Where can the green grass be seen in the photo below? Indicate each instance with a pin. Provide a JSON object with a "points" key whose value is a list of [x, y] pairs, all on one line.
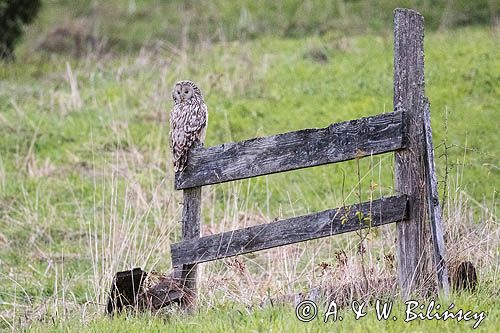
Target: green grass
{"points": [[129, 24], [86, 179], [281, 318], [259, 88]]}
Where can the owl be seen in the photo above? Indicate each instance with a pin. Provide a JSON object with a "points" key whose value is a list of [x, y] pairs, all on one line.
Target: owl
{"points": [[188, 121]]}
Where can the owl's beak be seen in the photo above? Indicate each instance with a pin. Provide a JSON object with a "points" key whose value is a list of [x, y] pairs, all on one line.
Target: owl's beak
{"points": [[182, 98]]}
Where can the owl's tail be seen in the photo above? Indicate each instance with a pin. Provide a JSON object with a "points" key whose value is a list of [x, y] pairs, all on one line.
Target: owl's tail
{"points": [[181, 156], [180, 162]]}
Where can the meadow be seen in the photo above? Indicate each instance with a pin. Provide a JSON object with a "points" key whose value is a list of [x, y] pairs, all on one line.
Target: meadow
{"points": [[86, 181]]}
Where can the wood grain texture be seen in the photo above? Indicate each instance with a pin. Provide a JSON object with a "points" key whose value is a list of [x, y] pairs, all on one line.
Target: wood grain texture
{"points": [[434, 207], [292, 230], [294, 150], [413, 235], [191, 215]]}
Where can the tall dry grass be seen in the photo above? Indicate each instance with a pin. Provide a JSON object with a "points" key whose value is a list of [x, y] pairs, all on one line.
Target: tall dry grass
{"points": [[133, 221]]}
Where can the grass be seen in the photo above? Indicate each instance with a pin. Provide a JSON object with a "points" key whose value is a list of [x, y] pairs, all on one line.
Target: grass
{"points": [[282, 318], [129, 24], [86, 180]]}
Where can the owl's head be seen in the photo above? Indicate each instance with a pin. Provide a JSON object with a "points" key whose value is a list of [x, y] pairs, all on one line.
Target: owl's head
{"points": [[186, 91]]}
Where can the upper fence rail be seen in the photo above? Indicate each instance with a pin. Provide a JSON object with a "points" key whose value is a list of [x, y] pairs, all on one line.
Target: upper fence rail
{"points": [[293, 150]]}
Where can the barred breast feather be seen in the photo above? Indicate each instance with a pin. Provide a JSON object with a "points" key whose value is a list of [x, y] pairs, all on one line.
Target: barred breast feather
{"points": [[188, 122]]}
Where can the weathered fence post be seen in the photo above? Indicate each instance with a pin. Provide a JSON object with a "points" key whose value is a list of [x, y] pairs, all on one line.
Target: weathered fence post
{"points": [[191, 215], [411, 164], [412, 235]]}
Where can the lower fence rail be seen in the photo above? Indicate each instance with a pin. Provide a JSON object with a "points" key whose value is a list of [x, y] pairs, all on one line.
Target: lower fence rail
{"points": [[292, 230]]}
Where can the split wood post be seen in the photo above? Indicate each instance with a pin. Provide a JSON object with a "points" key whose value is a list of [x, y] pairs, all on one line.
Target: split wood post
{"points": [[413, 235], [434, 207]]}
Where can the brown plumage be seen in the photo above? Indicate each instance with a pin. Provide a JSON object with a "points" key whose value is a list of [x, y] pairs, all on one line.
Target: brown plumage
{"points": [[188, 121]]}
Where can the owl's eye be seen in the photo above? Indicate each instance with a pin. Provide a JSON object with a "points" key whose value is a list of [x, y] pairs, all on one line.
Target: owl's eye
{"points": [[178, 92], [185, 91]]}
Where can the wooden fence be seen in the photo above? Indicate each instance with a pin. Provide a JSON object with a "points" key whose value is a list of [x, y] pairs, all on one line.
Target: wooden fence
{"points": [[406, 132]]}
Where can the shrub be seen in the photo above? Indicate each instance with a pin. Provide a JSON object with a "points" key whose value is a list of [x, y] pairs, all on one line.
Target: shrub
{"points": [[13, 15]]}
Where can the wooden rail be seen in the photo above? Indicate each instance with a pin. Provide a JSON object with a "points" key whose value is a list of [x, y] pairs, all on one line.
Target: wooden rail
{"points": [[293, 230], [293, 150]]}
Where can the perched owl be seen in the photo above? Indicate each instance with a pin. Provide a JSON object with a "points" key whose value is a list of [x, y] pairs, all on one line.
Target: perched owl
{"points": [[188, 121]]}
